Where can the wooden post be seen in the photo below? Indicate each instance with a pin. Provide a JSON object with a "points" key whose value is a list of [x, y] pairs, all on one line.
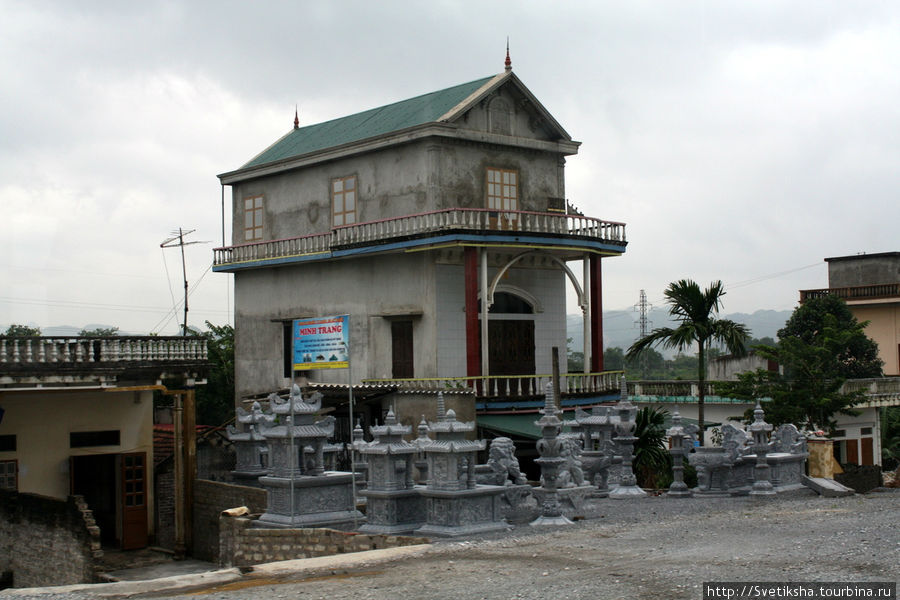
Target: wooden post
{"points": [[179, 478], [190, 465]]}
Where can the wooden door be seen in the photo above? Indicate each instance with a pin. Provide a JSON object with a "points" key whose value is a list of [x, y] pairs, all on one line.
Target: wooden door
{"points": [[402, 349], [867, 451], [511, 347], [134, 500], [852, 452]]}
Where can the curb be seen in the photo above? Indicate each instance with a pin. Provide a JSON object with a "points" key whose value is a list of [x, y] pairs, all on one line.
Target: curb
{"points": [[178, 583]]}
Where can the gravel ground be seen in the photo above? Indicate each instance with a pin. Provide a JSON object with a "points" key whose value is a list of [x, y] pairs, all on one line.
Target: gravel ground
{"points": [[646, 548]]}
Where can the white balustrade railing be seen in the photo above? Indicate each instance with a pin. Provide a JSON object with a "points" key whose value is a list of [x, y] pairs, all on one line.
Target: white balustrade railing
{"points": [[510, 386], [97, 351], [474, 219]]}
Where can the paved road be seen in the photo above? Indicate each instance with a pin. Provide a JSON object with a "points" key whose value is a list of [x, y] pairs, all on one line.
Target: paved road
{"points": [[648, 548]]}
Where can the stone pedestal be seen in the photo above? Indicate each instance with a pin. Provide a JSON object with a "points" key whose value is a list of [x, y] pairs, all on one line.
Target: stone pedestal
{"points": [[713, 470], [393, 505], [393, 512], [319, 501], [453, 513], [571, 500]]}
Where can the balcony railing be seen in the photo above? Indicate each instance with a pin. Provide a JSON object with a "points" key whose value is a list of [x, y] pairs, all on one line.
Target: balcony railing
{"points": [[510, 387], [90, 352], [475, 220], [857, 292]]}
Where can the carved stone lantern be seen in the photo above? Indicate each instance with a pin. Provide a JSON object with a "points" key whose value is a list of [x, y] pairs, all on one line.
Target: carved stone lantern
{"points": [[625, 440], [678, 447], [759, 429], [393, 505]]}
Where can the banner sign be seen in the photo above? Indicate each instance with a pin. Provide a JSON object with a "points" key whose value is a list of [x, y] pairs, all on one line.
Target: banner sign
{"points": [[321, 343]]}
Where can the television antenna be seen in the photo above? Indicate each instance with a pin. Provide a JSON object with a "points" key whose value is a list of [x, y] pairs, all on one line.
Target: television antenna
{"points": [[177, 239]]}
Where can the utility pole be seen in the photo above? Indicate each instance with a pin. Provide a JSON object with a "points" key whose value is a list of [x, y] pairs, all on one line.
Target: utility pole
{"points": [[178, 240], [644, 324]]}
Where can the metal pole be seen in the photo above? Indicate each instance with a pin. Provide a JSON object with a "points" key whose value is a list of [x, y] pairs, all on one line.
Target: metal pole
{"points": [[352, 449], [485, 358], [293, 454]]}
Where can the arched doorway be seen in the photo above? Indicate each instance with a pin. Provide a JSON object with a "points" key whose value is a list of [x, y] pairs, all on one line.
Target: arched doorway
{"points": [[511, 345]]}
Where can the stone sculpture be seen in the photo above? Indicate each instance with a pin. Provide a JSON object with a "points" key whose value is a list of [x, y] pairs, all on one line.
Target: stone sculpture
{"points": [[759, 429], [627, 413], [393, 504], [456, 505], [680, 443], [250, 449], [550, 461], [300, 492]]}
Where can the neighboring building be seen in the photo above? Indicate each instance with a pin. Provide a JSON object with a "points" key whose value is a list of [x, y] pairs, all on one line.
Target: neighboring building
{"points": [[870, 284], [76, 417], [438, 224]]}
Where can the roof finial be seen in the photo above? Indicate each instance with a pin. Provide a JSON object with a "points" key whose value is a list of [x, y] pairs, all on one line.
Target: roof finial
{"points": [[296, 118], [508, 63]]}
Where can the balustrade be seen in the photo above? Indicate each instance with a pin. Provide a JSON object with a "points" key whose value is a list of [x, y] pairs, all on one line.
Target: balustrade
{"points": [[479, 220], [82, 350]]}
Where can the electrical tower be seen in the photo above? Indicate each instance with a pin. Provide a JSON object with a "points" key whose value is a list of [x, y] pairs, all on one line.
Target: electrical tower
{"points": [[643, 307]]}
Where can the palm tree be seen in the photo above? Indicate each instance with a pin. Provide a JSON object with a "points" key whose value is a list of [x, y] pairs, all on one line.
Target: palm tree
{"points": [[695, 310]]}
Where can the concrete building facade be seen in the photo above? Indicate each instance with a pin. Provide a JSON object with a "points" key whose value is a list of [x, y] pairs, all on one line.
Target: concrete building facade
{"points": [[438, 224], [870, 284]]}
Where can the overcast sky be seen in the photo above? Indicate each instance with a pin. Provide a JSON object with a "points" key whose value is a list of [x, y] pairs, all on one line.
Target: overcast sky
{"points": [[742, 141]]}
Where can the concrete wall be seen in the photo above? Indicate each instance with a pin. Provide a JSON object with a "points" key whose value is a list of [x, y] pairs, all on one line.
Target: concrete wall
{"points": [[865, 269], [243, 545], [884, 329], [44, 541], [43, 420], [545, 285], [728, 368], [369, 289], [210, 499], [418, 177]]}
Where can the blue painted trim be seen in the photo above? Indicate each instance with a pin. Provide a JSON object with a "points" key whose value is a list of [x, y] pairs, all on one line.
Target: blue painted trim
{"points": [[423, 242]]}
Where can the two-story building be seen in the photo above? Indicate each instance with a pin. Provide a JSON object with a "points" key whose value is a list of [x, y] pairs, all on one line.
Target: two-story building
{"points": [[76, 417], [870, 285], [438, 224]]}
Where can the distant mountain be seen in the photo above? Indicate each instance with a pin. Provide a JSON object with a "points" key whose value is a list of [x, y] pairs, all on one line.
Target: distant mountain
{"points": [[621, 329]]}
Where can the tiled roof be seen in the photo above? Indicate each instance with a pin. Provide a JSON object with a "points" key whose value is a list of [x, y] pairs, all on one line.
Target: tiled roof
{"points": [[368, 124]]}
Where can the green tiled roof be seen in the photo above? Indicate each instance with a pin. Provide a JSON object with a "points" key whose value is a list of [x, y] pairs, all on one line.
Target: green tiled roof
{"points": [[371, 123]]}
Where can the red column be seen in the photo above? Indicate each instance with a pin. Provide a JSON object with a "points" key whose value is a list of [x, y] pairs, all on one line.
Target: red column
{"points": [[473, 343], [596, 315]]}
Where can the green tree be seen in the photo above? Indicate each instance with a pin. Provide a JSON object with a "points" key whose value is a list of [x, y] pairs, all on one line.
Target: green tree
{"points": [[99, 332], [890, 437], [613, 359], [649, 365], [215, 400], [819, 348], [828, 322], [574, 359], [16, 330], [695, 310], [652, 462]]}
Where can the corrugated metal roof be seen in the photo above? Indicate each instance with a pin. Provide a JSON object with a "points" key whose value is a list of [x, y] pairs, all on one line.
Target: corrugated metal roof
{"points": [[371, 123]]}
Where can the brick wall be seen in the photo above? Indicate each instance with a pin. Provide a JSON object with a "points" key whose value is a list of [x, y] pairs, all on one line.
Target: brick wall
{"points": [[165, 508], [210, 499], [242, 545], [44, 541]]}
